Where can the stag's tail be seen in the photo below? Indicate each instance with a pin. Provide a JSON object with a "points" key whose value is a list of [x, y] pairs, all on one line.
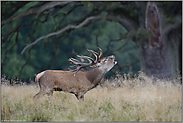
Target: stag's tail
{"points": [[38, 76]]}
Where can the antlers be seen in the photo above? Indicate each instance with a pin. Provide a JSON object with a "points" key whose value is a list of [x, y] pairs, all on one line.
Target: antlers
{"points": [[80, 65]]}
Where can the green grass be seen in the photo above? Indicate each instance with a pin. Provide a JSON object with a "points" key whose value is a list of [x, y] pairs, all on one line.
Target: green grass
{"points": [[135, 100]]}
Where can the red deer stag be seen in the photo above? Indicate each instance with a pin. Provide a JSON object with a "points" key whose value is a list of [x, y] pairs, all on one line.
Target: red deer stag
{"points": [[78, 82]]}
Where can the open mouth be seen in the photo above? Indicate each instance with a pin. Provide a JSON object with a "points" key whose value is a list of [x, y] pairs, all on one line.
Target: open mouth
{"points": [[115, 62], [113, 58]]}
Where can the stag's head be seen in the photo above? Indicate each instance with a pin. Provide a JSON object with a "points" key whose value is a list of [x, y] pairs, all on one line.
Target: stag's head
{"points": [[104, 64], [107, 63]]}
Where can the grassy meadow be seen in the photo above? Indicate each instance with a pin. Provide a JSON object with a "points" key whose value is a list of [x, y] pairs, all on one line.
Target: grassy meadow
{"points": [[120, 99]]}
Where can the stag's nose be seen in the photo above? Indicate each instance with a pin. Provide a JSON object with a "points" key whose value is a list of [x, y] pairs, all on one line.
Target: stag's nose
{"points": [[113, 56]]}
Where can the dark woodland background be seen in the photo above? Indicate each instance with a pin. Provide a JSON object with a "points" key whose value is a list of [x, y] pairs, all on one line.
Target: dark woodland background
{"points": [[143, 36]]}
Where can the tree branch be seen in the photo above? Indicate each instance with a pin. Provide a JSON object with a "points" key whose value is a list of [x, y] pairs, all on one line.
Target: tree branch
{"points": [[128, 24], [174, 26], [140, 8], [5, 55], [63, 30], [34, 11]]}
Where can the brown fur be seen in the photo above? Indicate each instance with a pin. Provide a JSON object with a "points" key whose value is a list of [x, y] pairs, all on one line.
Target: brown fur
{"points": [[83, 81]]}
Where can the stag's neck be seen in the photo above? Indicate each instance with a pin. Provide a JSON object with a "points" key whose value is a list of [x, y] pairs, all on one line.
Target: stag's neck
{"points": [[95, 75]]}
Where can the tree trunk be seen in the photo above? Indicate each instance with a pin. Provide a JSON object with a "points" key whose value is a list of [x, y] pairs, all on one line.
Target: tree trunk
{"points": [[157, 62]]}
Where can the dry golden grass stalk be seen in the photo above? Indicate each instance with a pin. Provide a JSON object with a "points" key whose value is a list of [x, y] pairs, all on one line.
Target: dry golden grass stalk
{"points": [[136, 99]]}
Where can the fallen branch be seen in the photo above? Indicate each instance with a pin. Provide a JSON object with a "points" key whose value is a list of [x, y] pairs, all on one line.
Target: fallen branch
{"points": [[63, 30]]}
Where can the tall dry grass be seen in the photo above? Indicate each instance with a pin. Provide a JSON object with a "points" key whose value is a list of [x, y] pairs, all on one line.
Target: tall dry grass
{"points": [[118, 99]]}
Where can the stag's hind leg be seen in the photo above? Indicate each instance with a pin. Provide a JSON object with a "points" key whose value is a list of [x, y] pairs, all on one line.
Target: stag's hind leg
{"points": [[40, 93]]}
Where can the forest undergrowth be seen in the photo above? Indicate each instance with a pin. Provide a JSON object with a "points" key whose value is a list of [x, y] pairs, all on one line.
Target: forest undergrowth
{"points": [[121, 99]]}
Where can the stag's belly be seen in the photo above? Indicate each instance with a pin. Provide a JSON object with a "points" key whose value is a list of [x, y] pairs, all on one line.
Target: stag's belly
{"points": [[57, 89]]}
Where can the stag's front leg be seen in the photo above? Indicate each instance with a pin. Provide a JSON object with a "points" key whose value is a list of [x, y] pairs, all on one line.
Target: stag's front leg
{"points": [[40, 93], [50, 94]]}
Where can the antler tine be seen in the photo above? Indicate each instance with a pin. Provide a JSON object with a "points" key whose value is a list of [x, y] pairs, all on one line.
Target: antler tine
{"points": [[87, 58], [76, 69], [101, 53], [95, 54], [91, 51], [74, 61], [73, 66], [80, 65]]}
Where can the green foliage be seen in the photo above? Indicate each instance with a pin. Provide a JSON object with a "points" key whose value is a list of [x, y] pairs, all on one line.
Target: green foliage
{"points": [[8, 8], [53, 52]]}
